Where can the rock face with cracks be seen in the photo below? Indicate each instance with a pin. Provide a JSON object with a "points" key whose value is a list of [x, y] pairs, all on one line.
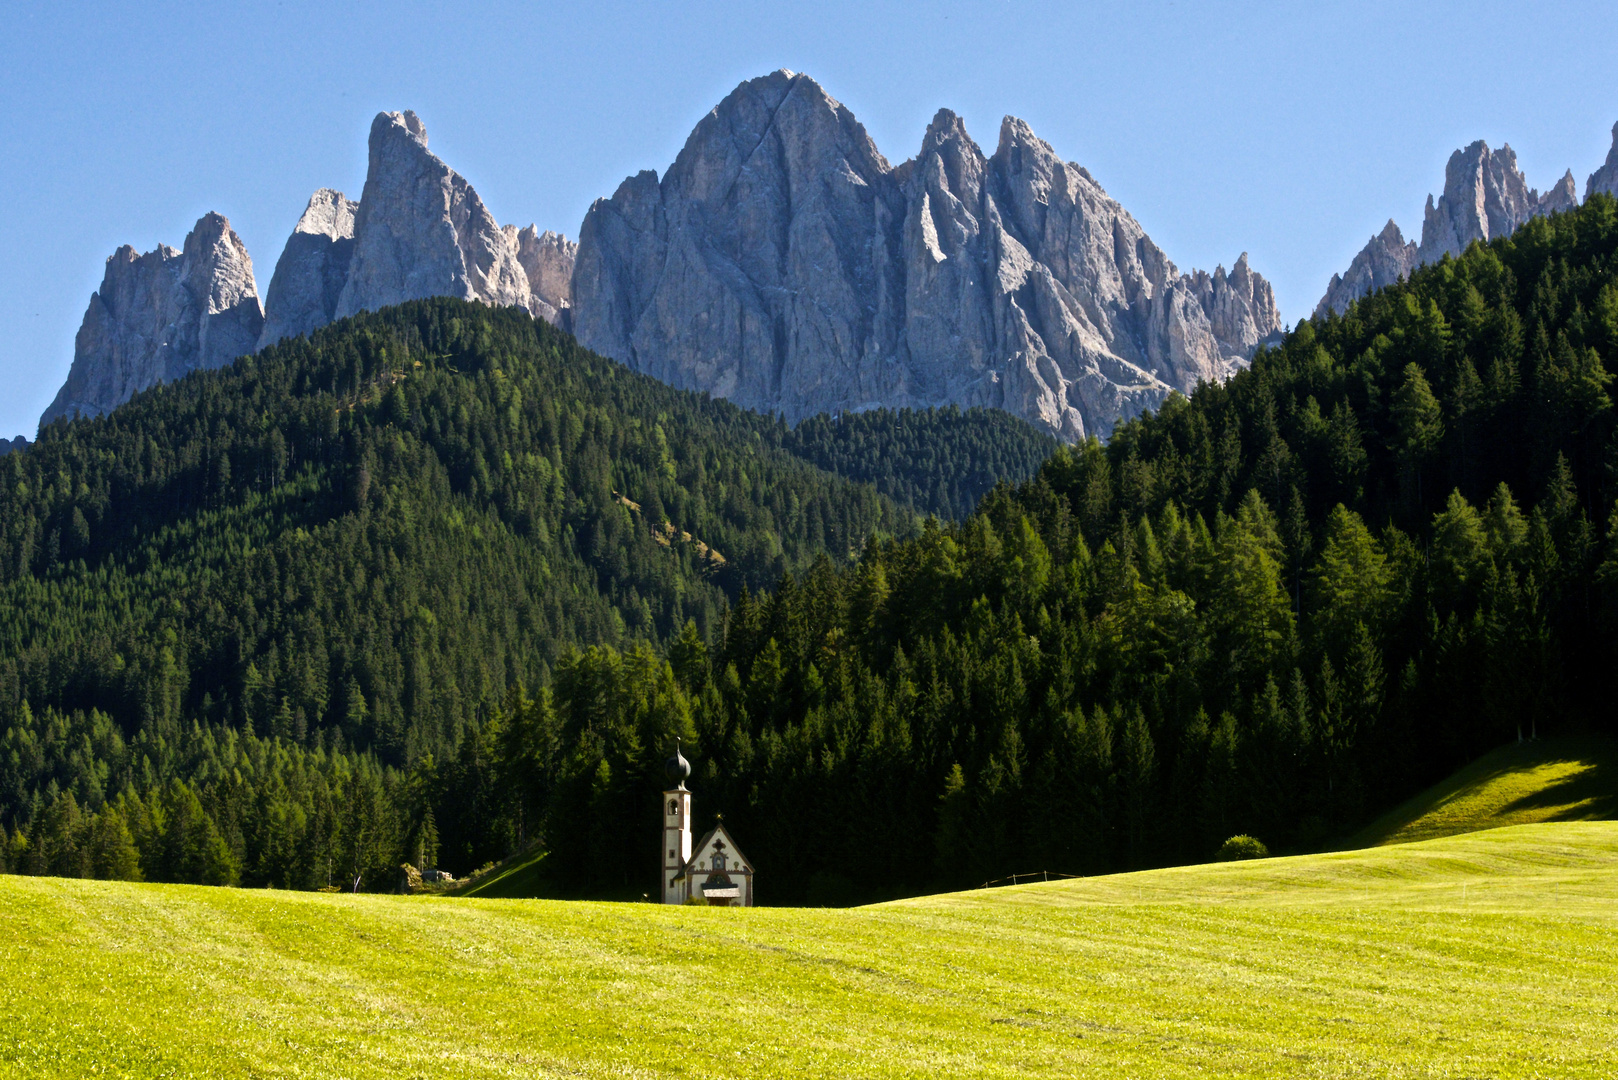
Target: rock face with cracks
{"points": [[161, 315], [784, 264], [419, 230], [547, 258], [1384, 260], [1605, 179], [1485, 196], [312, 270], [422, 231]]}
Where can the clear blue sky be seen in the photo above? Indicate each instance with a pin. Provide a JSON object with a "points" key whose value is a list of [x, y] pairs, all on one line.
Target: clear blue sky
{"points": [[1291, 131]]}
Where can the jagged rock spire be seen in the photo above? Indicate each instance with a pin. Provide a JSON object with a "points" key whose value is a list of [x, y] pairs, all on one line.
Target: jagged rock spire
{"points": [[1485, 196], [784, 264], [1605, 179], [161, 315]]}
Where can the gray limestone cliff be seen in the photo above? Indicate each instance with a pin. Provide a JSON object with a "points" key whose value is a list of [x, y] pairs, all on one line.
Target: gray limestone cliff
{"points": [[419, 230], [784, 264], [1384, 260], [313, 268], [1605, 179], [422, 231], [547, 260], [161, 315], [1485, 196]]}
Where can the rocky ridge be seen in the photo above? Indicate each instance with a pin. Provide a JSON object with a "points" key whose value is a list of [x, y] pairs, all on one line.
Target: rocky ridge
{"points": [[419, 230], [1485, 195], [784, 264], [19, 443], [422, 231], [313, 268], [1605, 179], [1384, 260], [161, 315]]}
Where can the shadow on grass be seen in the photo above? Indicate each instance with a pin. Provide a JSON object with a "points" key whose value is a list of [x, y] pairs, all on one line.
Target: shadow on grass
{"points": [[1589, 793]]}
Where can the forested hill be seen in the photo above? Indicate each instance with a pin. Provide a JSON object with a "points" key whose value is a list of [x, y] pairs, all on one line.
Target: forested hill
{"points": [[360, 540], [1272, 608], [940, 461]]}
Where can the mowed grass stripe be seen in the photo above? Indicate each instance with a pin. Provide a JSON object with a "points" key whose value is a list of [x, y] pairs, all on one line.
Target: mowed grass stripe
{"points": [[1492, 954]]}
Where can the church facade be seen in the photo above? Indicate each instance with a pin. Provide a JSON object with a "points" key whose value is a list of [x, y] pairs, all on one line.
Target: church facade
{"points": [[713, 869]]}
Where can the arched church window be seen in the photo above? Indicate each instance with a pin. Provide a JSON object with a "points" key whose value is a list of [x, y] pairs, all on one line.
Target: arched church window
{"points": [[674, 807]]}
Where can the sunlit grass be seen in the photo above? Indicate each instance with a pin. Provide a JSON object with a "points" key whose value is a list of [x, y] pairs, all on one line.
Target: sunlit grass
{"points": [[1492, 954], [1569, 779]]}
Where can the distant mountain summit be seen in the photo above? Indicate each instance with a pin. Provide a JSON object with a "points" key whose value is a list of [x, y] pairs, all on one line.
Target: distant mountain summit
{"points": [[419, 230], [1485, 196], [313, 268], [161, 315], [1604, 180], [784, 264]]}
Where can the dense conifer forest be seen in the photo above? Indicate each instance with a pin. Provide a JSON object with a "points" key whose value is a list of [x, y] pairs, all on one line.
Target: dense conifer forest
{"points": [[437, 584], [940, 461], [324, 566]]}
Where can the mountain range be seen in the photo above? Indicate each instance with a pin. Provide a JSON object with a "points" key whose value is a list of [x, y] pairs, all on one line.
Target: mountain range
{"points": [[782, 263], [1485, 196]]}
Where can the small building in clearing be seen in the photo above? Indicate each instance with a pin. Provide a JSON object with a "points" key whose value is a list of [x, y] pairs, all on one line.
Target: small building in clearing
{"points": [[714, 870]]}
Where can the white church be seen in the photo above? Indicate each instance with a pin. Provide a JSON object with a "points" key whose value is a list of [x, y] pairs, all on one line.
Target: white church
{"points": [[715, 870]]}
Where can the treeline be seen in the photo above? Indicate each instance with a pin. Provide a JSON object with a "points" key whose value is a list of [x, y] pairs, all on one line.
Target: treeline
{"points": [[352, 545], [940, 461], [214, 807], [1273, 609]]}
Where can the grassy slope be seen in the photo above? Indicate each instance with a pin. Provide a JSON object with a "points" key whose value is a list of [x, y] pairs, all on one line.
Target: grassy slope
{"points": [[1491, 954], [1571, 779], [513, 879]]}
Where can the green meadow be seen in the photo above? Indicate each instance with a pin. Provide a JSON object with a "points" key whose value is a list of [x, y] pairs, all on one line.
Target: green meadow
{"points": [[1492, 954]]}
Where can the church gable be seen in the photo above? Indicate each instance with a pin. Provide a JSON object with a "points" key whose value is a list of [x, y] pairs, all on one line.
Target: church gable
{"points": [[719, 872]]}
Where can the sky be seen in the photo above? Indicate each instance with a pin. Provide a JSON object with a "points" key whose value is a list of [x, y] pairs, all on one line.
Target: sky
{"points": [[1289, 131]]}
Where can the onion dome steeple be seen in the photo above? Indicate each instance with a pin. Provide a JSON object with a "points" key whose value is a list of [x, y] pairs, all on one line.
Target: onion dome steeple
{"points": [[677, 769]]}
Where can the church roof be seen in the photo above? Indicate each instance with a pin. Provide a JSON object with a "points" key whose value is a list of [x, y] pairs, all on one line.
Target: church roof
{"points": [[730, 846]]}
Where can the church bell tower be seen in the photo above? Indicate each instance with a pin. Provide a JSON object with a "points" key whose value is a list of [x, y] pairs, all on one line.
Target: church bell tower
{"points": [[676, 829]]}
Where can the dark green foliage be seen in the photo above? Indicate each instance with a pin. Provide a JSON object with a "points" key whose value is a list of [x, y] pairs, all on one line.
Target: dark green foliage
{"points": [[353, 545], [940, 461], [1269, 609], [1242, 847]]}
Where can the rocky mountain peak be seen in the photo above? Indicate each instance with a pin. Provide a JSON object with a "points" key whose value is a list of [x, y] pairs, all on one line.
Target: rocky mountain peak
{"points": [[161, 315], [404, 125], [1384, 260], [1562, 197], [1485, 196], [421, 230], [329, 214], [1605, 179], [784, 264], [547, 260], [313, 268], [960, 159]]}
